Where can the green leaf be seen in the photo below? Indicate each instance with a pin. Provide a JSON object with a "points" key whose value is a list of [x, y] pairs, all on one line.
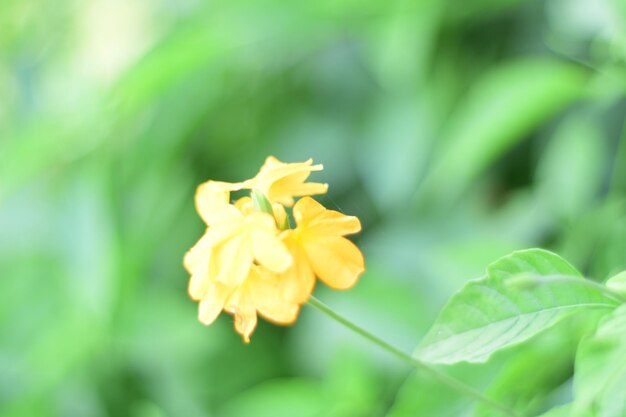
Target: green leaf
{"points": [[580, 141], [617, 283], [278, 398], [601, 370], [420, 395], [530, 389], [502, 107], [523, 294], [563, 411]]}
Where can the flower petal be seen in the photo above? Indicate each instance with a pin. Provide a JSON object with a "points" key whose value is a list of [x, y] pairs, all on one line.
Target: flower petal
{"points": [[305, 210], [196, 262], [200, 252], [221, 232], [294, 185], [233, 259], [244, 205], [212, 303], [241, 305], [298, 281], [212, 202], [270, 251], [199, 283], [267, 298], [335, 223], [280, 181], [267, 248], [335, 260], [316, 219]]}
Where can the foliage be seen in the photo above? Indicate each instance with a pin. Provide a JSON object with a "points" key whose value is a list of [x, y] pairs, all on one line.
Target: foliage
{"points": [[524, 294], [458, 132]]}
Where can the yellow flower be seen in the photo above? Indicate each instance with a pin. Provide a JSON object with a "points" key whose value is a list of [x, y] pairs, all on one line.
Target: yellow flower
{"points": [[223, 264], [249, 261], [319, 249], [239, 240], [280, 182], [259, 292]]}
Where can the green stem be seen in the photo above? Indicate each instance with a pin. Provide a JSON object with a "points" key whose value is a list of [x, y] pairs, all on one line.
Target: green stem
{"points": [[440, 376]]}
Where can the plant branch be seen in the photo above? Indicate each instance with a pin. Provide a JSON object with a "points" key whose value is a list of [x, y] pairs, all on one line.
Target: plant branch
{"points": [[440, 376]]}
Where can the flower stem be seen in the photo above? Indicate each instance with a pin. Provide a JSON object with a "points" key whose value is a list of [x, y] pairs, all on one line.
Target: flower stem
{"points": [[440, 376]]}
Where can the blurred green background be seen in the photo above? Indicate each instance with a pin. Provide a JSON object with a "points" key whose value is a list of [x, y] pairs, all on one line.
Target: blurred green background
{"points": [[456, 131]]}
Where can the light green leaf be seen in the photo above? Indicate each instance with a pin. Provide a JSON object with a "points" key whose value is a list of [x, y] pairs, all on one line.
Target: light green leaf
{"points": [[500, 110], [600, 375], [523, 294], [421, 395], [278, 398], [530, 389], [563, 411], [579, 140], [617, 283]]}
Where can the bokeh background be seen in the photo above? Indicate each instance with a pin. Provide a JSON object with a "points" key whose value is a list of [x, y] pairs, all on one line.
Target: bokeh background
{"points": [[456, 131]]}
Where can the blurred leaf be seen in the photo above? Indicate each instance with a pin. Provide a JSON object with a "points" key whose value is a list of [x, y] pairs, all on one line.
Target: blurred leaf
{"points": [[525, 387], [175, 58], [352, 386], [601, 370], [45, 147], [278, 398], [577, 142], [479, 9], [617, 283], [404, 49], [108, 131], [596, 240], [618, 180], [420, 395], [563, 411], [395, 153], [502, 107], [502, 310]]}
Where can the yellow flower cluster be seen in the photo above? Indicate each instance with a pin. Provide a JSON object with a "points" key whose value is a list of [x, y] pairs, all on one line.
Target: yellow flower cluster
{"points": [[250, 260]]}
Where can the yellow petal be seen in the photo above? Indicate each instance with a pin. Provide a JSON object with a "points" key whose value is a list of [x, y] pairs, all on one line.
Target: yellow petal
{"points": [[270, 251], [315, 218], [307, 209], [267, 248], [212, 303], [199, 281], [241, 305], [280, 181], [200, 252], [271, 162], [196, 262], [261, 221], [294, 185], [233, 259], [334, 223], [335, 260], [298, 281], [212, 202], [244, 205], [265, 290], [221, 232], [199, 284], [274, 169]]}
